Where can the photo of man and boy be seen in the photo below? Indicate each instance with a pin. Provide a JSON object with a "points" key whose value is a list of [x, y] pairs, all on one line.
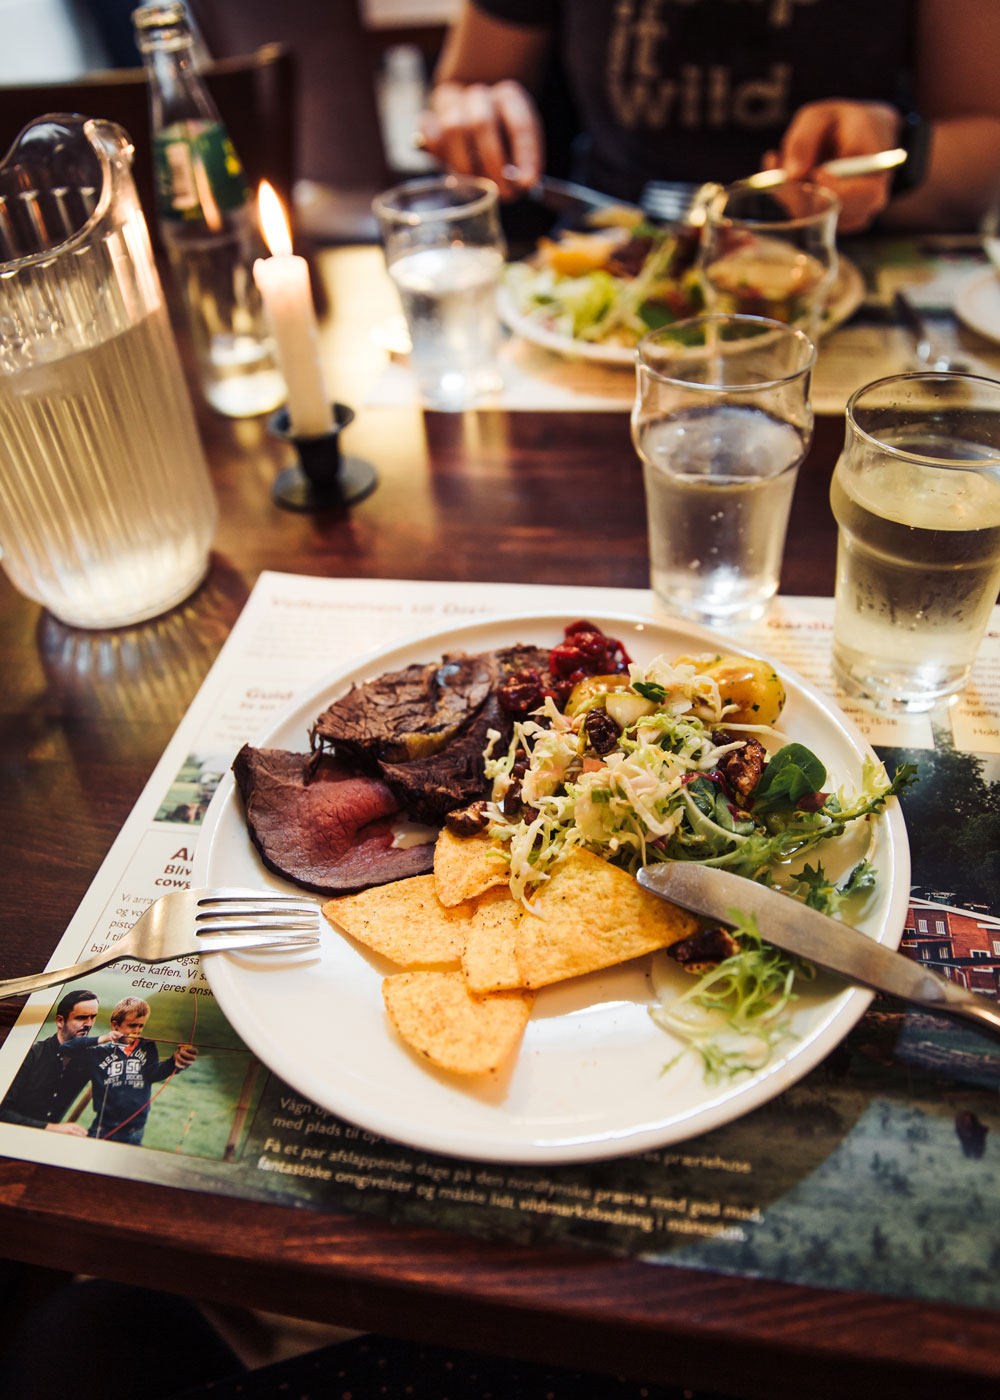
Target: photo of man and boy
{"points": [[119, 1085], [120, 1066]]}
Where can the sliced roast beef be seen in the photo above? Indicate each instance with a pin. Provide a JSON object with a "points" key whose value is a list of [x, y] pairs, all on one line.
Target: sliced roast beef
{"points": [[321, 825], [424, 729], [521, 658], [430, 788], [407, 714]]}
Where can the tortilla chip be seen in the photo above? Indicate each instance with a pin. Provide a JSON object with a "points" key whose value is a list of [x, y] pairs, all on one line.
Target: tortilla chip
{"points": [[403, 921], [464, 868], [489, 959], [438, 1017], [592, 915]]}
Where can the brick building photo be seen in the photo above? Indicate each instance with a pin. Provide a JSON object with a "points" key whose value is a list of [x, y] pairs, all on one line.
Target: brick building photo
{"points": [[963, 944]]}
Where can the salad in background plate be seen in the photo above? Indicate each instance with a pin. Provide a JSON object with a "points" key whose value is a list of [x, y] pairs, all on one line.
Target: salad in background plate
{"points": [[594, 295], [608, 287]]}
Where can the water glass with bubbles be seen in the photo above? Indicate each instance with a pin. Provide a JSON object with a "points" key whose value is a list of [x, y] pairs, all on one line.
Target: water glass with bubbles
{"points": [[721, 421], [916, 496], [445, 251]]}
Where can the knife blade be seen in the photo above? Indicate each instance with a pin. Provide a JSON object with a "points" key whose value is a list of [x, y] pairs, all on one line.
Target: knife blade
{"points": [[929, 353], [789, 924], [567, 197]]}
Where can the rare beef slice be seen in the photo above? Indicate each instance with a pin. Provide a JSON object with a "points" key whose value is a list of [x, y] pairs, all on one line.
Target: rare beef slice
{"points": [[424, 729], [324, 827]]}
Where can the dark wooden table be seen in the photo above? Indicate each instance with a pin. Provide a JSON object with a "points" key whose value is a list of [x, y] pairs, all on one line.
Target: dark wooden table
{"points": [[543, 497]]}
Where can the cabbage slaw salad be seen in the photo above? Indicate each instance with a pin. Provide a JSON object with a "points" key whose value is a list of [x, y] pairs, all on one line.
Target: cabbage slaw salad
{"points": [[659, 794]]}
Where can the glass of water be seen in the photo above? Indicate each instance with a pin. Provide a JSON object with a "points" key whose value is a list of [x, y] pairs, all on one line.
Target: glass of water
{"points": [[721, 421], [445, 251], [916, 496], [771, 252]]}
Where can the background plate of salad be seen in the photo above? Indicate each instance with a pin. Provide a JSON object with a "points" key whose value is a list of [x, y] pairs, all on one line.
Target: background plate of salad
{"points": [[593, 295], [597, 1075]]}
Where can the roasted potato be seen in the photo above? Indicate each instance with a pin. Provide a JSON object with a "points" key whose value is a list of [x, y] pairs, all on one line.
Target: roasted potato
{"points": [[585, 692], [745, 681]]}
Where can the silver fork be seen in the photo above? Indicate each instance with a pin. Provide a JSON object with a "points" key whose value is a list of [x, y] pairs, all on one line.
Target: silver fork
{"points": [[679, 201], [196, 921], [676, 201]]}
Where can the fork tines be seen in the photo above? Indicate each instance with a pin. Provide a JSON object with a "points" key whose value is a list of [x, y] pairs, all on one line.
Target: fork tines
{"points": [[668, 200], [225, 895], [293, 935], [257, 911]]}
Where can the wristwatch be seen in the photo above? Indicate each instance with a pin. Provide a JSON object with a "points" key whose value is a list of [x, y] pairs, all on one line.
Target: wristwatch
{"points": [[915, 139]]}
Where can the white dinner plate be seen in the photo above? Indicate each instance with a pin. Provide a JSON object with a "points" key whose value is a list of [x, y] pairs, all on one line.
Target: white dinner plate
{"points": [[847, 295], [977, 302], [588, 1081]]}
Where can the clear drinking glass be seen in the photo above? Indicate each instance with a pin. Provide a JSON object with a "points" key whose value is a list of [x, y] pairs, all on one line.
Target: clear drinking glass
{"points": [[106, 508], [771, 252], [721, 421], [445, 250], [916, 496]]}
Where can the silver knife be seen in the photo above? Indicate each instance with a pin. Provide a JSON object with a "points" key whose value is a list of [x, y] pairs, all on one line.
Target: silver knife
{"points": [[929, 353], [794, 927], [567, 197]]}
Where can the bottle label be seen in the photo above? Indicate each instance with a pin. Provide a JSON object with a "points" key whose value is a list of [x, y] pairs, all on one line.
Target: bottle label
{"points": [[198, 173]]}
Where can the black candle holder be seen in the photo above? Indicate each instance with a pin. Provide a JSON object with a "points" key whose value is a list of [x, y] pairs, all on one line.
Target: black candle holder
{"points": [[323, 478]]}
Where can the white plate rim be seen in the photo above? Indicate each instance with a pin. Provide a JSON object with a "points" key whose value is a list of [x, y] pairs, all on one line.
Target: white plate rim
{"points": [[244, 987], [847, 298], [968, 302]]}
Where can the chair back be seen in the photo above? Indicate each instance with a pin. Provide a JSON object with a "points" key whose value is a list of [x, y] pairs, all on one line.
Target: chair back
{"points": [[339, 140], [255, 95]]}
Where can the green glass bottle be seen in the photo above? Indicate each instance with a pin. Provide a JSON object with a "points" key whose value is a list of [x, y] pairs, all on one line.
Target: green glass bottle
{"points": [[208, 220]]}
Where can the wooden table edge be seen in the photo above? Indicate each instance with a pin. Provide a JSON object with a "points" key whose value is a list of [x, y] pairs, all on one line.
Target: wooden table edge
{"points": [[657, 1323]]}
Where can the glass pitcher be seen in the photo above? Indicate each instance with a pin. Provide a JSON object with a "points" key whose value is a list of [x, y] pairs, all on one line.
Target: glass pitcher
{"points": [[106, 508]]}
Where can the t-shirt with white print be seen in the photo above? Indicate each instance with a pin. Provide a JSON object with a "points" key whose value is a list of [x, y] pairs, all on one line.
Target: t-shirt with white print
{"points": [[700, 89]]}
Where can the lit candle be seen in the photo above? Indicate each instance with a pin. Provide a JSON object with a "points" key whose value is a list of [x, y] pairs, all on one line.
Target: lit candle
{"points": [[283, 280]]}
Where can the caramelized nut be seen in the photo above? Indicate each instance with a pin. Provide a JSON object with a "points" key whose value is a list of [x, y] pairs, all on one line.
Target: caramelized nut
{"points": [[468, 821]]}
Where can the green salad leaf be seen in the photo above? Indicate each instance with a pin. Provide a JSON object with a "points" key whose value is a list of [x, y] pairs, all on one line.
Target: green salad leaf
{"points": [[814, 887], [736, 1013], [793, 773]]}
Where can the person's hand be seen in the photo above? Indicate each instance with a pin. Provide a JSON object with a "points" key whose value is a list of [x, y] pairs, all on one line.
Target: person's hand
{"points": [[477, 129], [822, 131], [70, 1129], [185, 1055]]}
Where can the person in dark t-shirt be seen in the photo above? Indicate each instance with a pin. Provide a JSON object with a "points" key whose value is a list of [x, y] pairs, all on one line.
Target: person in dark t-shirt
{"points": [[716, 89], [49, 1080], [122, 1067]]}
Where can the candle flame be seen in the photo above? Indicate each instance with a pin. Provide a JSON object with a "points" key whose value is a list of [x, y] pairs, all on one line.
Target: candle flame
{"points": [[274, 224]]}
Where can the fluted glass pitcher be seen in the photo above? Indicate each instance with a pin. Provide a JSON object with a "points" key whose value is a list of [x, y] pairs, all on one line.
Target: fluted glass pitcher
{"points": [[106, 508]]}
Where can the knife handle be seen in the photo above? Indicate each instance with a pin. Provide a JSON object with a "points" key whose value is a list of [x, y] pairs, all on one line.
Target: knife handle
{"points": [[815, 936], [886, 970], [944, 996]]}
